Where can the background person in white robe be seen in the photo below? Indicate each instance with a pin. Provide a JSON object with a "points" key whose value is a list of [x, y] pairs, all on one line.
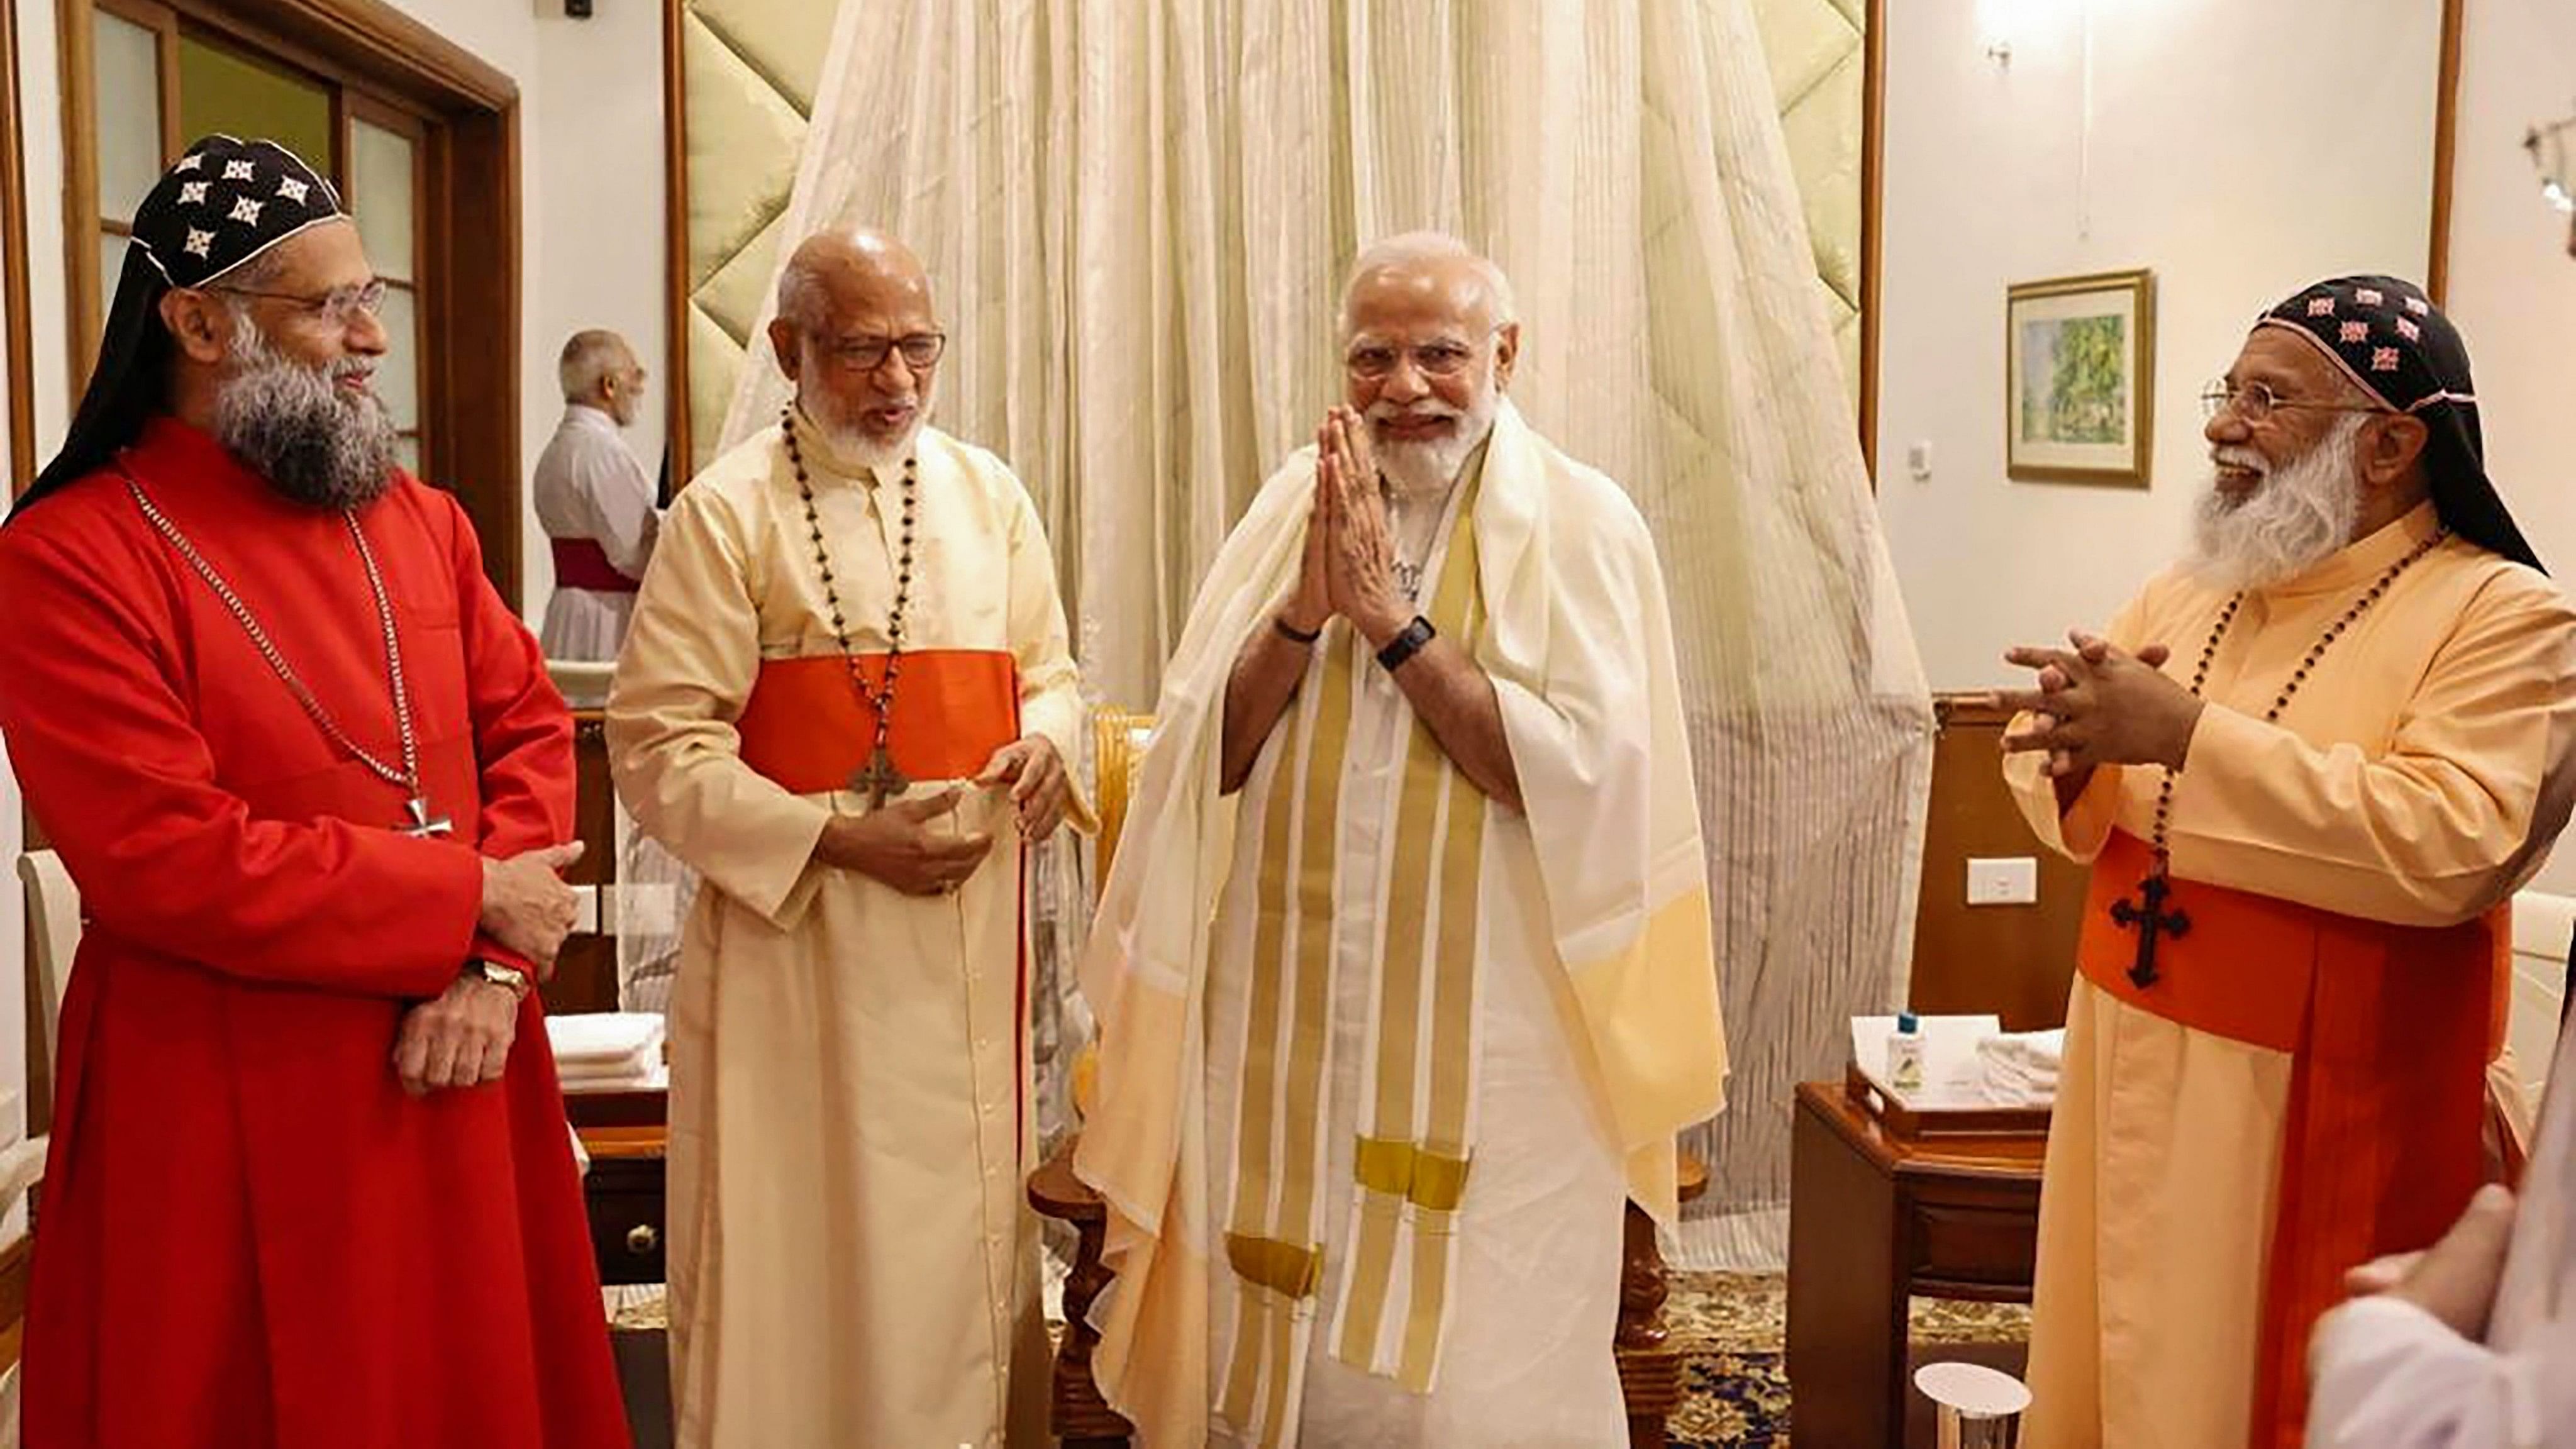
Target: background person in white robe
{"points": [[594, 500], [1404, 972], [2472, 1344], [851, 1261]]}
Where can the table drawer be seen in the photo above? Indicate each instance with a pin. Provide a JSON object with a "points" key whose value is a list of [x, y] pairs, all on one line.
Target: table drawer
{"points": [[1980, 1247], [626, 1228]]}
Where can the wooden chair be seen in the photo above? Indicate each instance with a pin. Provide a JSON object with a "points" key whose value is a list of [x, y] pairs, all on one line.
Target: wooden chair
{"points": [[1650, 1371], [53, 931]]}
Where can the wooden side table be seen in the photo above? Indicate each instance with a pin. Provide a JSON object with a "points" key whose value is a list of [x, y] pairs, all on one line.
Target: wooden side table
{"points": [[1875, 1218]]}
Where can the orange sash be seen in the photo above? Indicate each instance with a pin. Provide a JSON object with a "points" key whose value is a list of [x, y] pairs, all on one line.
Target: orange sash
{"points": [[2390, 1029], [806, 727]]}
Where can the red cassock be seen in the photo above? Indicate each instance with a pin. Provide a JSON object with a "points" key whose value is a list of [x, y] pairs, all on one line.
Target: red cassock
{"points": [[250, 1234]]}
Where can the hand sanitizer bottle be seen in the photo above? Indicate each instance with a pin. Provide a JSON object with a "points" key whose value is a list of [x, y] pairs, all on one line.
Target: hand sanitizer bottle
{"points": [[1905, 1054]]}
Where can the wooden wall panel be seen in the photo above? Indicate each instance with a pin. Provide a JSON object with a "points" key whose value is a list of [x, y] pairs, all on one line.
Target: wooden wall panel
{"points": [[2012, 960]]}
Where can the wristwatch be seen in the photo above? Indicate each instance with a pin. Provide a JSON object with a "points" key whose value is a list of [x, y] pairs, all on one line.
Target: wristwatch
{"points": [[511, 978]]}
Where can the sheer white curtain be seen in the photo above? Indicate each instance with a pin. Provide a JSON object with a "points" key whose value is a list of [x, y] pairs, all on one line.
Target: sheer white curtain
{"points": [[1137, 213]]}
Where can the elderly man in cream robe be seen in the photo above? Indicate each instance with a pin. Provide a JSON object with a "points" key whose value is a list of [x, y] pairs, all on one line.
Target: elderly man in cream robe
{"points": [[1404, 972], [2472, 1344], [2308, 767], [846, 702]]}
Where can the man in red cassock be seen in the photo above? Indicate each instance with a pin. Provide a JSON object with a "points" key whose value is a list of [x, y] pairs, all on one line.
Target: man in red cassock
{"points": [[310, 1184]]}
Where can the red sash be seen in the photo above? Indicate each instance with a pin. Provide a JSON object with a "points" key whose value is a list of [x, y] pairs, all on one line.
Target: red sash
{"points": [[806, 727], [580, 563], [2390, 1029]]}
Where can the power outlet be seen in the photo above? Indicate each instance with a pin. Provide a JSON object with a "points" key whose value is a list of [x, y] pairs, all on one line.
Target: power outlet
{"points": [[2004, 881]]}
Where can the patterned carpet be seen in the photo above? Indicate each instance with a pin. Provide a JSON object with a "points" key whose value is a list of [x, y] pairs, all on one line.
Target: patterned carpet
{"points": [[1731, 1326]]}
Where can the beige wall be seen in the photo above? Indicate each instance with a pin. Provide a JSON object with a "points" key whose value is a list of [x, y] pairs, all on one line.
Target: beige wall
{"points": [[2201, 154]]}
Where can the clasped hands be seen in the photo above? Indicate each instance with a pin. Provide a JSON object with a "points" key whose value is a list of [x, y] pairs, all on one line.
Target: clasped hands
{"points": [[462, 1036], [2098, 704], [1349, 566], [902, 845]]}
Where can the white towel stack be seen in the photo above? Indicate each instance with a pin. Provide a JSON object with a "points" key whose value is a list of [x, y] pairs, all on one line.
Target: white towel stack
{"points": [[2019, 1069], [607, 1051]]}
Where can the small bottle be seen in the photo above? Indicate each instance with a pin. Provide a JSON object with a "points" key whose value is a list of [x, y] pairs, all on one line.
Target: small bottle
{"points": [[1905, 1053]]}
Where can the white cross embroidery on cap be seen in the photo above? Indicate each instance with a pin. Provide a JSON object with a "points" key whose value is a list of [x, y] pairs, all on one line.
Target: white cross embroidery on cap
{"points": [[200, 243], [292, 189], [246, 210], [239, 171], [188, 163], [2356, 332], [2368, 296], [2418, 306], [2408, 330], [193, 193], [2321, 306], [2383, 359]]}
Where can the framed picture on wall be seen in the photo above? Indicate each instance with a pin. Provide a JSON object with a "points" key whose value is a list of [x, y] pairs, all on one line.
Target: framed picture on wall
{"points": [[2079, 379]]}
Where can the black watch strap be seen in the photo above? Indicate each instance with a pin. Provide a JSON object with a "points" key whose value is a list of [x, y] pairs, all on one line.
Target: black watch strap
{"points": [[1407, 643]]}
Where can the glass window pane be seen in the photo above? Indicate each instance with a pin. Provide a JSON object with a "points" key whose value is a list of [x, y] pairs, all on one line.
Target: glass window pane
{"points": [[111, 265], [129, 115], [398, 371], [381, 192], [223, 90]]}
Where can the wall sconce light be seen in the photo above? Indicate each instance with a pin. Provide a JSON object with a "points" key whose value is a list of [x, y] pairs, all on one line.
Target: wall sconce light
{"points": [[2550, 149]]}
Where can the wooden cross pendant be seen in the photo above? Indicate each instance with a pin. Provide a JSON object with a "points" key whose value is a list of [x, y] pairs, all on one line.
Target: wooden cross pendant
{"points": [[878, 778], [420, 826], [2152, 923]]}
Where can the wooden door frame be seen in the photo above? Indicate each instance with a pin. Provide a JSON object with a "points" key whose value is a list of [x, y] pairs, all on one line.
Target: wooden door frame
{"points": [[678, 461], [2446, 144], [470, 379], [1873, 150], [17, 325]]}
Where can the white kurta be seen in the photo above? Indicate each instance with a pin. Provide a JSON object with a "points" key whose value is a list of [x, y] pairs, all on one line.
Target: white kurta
{"points": [[2391, 1376], [589, 486], [851, 1261], [1600, 1031], [1527, 1357]]}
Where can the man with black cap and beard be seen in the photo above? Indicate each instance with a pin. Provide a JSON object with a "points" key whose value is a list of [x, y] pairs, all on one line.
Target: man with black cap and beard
{"points": [[2309, 766], [310, 1184]]}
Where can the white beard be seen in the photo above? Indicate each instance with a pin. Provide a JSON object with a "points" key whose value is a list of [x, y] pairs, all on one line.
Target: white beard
{"points": [[872, 454], [2298, 516], [855, 445], [1431, 467]]}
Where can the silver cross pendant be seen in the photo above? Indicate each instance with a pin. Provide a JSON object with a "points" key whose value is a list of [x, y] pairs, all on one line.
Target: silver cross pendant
{"points": [[420, 826]]}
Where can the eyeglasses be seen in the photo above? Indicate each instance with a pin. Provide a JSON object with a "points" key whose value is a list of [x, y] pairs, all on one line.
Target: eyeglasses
{"points": [[340, 305], [867, 354], [2256, 401], [1374, 360]]}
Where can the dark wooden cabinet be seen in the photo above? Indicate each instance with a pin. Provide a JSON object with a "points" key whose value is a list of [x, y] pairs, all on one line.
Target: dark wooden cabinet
{"points": [[626, 1227], [585, 976]]}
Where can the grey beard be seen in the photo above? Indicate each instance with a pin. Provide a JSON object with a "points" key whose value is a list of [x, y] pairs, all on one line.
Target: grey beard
{"points": [[2298, 516], [292, 424]]}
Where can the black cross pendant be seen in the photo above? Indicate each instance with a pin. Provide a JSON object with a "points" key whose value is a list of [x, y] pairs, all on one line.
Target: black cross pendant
{"points": [[878, 778], [2151, 923]]}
